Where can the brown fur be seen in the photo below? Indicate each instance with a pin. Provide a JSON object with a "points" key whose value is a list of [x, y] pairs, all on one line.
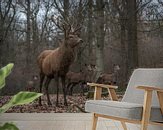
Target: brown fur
{"points": [[75, 76], [109, 78], [42, 56], [79, 79], [106, 79], [55, 63], [57, 60], [73, 79]]}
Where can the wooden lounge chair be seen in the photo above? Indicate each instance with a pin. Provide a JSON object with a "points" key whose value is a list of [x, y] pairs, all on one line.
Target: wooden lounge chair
{"points": [[142, 103]]}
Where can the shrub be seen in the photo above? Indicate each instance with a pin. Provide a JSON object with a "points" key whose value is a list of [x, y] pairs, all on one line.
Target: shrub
{"points": [[19, 99]]}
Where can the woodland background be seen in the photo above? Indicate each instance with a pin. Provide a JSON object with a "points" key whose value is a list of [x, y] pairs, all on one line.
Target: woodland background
{"points": [[128, 33]]}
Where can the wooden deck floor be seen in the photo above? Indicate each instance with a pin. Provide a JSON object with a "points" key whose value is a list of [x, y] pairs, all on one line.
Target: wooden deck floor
{"points": [[57, 121]]}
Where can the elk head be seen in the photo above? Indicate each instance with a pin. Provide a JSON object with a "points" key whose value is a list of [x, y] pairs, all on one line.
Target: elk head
{"points": [[71, 34]]}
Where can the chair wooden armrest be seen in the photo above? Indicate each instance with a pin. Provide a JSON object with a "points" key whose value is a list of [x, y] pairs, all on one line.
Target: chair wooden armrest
{"points": [[102, 85], [98, 90], [149, 88], [148, 99]]}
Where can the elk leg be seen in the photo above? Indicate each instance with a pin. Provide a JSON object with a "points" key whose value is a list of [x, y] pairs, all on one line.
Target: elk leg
{"points": [[82, 88], [83, 85], [47, 86], [71, 89], [42, 76], [64, 89], [68, 88], [57, 85]]}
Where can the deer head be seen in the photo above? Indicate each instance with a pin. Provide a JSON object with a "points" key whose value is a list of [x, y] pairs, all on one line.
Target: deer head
{"points": [[116, 68], [71, 34]]}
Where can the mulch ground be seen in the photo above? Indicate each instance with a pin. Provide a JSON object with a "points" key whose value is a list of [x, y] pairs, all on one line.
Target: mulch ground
{"points": [[76, 99]]}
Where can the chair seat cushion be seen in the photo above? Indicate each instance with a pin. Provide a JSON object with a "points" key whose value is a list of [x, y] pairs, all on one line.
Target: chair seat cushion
{"points": [[125, 110]]}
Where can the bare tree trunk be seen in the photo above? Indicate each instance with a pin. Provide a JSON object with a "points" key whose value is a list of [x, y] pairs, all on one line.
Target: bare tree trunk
{"points": [[132, 36], [79, 21], [28, 34], [100, 35], [123, 70], [122, 11], [35, 31], [90, 31], [6, 20], [66, 9]]}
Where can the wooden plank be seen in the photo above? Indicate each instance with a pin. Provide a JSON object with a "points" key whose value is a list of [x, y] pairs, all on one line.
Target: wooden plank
{"points": [[102, 85], [119, 119], [112, 94], [124, 125], [146, 109], [160, 98], [97, 94], [94, 121], [127, 120], [156, 123], [150, 88]]}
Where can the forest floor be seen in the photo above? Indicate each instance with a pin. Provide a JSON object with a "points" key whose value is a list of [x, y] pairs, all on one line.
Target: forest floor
{"points": [[76, 99]]}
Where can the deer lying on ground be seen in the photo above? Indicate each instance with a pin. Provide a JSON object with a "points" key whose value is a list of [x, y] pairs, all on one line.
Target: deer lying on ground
{"points": [[80, 79], [73, 79], [55, 63], [109, 78]]}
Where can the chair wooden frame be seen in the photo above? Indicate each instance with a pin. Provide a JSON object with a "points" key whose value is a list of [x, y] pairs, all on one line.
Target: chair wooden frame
{"points": [[146, 106]]}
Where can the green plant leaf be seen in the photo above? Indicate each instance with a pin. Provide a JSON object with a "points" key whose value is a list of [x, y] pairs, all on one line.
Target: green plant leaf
{"points": [[8, 126], [24, 98], [20, 99], [5, 107], [4, 72]]}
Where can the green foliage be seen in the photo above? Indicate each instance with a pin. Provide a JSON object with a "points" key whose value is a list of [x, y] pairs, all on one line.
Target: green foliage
{"points": [[19, 99], [24, 98], [4, 72], [8, 126]]}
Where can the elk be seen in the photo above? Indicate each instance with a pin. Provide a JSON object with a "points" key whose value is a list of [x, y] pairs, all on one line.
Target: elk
{"points": [[80, 78], [109, 78], [55, 63], [73, 78]]}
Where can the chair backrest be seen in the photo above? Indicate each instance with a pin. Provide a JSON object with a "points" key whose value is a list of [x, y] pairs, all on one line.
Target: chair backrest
{"points": [[147, 77]]}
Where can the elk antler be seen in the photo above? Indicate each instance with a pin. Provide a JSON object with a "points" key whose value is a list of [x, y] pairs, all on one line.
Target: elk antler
{"points": [[64, 26], [77, 30], [66, 29]]}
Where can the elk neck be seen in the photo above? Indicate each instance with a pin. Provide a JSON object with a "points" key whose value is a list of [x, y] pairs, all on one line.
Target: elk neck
{"points": [[66, 56]]}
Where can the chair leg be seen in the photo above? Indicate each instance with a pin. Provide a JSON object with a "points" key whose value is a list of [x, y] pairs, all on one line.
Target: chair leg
{"points": [[124, 125], [144, 126], [146, 110], [94, 121]]}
